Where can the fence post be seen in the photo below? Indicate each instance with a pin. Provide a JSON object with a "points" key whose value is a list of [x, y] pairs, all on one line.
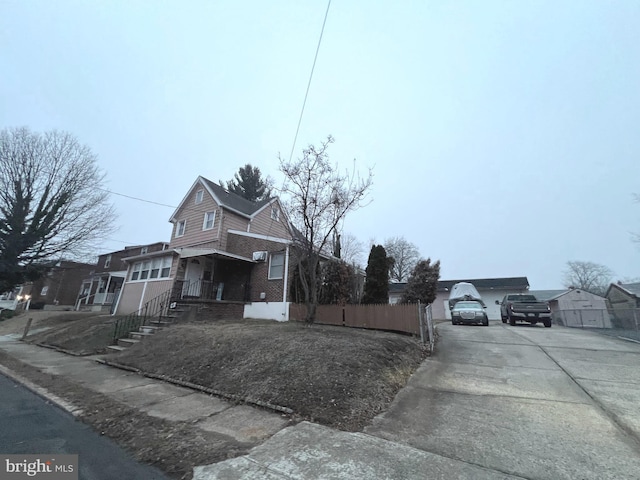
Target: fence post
{"points": [[420, 324]]}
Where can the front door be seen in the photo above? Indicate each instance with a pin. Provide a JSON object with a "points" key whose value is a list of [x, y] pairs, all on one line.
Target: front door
{"points": [[192, 279]]}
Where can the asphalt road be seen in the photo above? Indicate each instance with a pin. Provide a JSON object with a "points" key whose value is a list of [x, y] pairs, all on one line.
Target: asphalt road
{"points": [[30, 425], [525, 401]]}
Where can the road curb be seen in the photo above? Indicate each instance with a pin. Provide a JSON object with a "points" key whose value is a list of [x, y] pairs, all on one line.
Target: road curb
{"points": [[42, 392]]}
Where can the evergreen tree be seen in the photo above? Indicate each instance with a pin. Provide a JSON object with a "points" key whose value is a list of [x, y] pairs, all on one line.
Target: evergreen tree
{"points": [[376, 286], [423, 283], [337, 283], [249, 184]]}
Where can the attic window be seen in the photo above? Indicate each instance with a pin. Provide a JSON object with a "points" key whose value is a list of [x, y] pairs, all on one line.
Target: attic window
{"points": [[199, 195], [275, 214], [144, 250], [107, 261]]}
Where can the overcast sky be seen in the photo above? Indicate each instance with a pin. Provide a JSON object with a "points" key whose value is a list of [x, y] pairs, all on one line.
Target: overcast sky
{"points": [[504, 136]]}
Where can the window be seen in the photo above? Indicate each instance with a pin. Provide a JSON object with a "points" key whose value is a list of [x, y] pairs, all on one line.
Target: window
{"points": [[107, 261], [165, 268], [44, 290], [144, 250], [209, 219], [135, 274], [276, 266], [144, 273], [182, 226], [199, 195], [148, 269], [275, 214], [155, 267]]}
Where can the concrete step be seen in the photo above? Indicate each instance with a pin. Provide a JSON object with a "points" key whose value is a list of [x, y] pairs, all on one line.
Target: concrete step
{"points": [[160, 323], [140, 335], [127, 342], [116, 348], [148, 329]]}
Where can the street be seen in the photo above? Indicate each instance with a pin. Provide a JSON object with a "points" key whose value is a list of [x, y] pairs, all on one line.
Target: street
{"points": [[525, 401], [31, 425]]}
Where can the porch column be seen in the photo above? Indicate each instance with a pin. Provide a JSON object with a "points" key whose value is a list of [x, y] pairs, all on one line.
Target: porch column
{"points": [[106, 289]]}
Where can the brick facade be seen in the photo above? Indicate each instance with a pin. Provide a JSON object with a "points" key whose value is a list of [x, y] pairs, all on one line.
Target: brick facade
{"points": [[260, 283]]}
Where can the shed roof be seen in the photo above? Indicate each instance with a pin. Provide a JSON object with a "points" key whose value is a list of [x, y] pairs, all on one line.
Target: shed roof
{"points": [[546, 295]]}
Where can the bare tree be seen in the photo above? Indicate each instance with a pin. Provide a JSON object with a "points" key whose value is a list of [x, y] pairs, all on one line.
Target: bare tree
{"points": [[319, 198], [352, 249], [588, 276], [405, 256], [51, 202]]}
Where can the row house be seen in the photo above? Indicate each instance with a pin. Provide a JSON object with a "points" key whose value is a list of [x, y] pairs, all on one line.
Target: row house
{"points": [[102, 285]]}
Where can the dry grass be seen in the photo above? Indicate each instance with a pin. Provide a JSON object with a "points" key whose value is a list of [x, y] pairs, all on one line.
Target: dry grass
{"points": [[84, 336], [336, 376]]}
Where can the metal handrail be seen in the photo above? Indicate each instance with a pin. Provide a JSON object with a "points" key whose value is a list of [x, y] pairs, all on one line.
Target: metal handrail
{"points": [[156, 308]]}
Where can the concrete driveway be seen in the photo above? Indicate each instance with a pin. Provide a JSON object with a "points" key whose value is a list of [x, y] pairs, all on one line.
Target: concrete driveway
{"points": [[527, 401]]}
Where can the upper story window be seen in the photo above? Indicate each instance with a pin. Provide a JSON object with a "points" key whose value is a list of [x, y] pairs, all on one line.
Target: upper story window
{"points": [[44, 290], [107, 261], [209, 219], [199, 196], [276, 266], [275, 214], [144, 250], [180, 228]]}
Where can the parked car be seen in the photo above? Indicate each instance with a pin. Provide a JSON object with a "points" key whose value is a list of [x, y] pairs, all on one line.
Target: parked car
{"points": [[525, 308], [469, 312]]}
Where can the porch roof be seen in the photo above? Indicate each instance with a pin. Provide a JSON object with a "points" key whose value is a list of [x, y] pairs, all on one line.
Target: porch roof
{"points": [[201, 252]]}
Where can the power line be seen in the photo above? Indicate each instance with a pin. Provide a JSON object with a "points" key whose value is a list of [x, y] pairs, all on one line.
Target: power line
{"points": [[136, 198], [295, 139]]}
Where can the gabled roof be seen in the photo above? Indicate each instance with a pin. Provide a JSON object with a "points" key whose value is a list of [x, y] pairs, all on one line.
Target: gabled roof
{"points": [[632, 289], [398, 287], [233, 201], [226, 199], [515, 283]]}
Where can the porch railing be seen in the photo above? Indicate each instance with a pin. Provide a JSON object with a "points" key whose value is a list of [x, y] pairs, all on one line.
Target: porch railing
{"points": [[155, 309], [208, 290]]}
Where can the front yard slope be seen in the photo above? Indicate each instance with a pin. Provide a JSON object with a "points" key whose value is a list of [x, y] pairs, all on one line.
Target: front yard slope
{"points": [[336, 376]]}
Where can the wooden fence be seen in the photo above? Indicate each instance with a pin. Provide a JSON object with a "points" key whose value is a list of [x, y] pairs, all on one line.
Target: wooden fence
{"points": [[398, 318]]}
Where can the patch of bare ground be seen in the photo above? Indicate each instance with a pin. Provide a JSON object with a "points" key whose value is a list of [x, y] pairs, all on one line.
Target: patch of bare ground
{"points": [[41, 319], [83, 336], [340, 377]]}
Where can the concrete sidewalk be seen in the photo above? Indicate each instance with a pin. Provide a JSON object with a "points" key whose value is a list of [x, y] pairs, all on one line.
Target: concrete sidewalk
{"points": [[153, 397], [302, 451]]}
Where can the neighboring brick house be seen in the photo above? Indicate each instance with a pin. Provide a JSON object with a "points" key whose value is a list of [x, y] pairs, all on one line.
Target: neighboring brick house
{"points": [[101, 287], [58, 287], [223, 248]]}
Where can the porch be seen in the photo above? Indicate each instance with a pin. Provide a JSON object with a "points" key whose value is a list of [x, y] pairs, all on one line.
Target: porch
{"points": [[100, 291], [213, 275]]}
